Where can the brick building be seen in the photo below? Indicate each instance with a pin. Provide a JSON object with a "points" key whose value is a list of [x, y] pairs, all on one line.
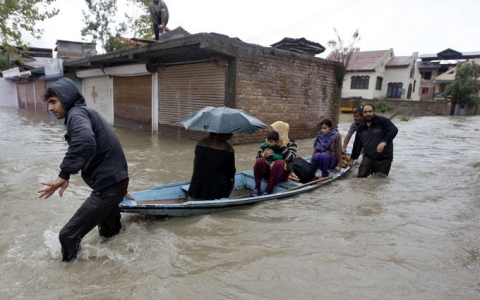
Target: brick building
{"points": [[155, 86]]}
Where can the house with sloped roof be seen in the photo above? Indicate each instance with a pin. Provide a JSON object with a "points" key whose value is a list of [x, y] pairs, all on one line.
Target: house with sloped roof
{"points": [[380, 75], [444, 79], [432, 66]]}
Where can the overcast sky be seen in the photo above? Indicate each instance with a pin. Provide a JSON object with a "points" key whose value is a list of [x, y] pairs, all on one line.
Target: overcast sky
{"points": [[424, 26]]}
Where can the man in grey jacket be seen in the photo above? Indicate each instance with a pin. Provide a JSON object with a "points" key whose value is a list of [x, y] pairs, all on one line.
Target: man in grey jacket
{"points": [[93, 149], [159, 15]]}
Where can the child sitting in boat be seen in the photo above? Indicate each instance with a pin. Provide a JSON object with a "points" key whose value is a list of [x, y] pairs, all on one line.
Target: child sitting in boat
{"points": [[327, 153], [278, 170], [270, 147]]}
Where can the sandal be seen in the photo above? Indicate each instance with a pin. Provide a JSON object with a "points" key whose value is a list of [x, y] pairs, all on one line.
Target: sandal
{"points": [[255, 193]]}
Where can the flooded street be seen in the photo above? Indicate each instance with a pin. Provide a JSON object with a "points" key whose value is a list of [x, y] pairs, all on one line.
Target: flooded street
{"points": [[414, 235]]}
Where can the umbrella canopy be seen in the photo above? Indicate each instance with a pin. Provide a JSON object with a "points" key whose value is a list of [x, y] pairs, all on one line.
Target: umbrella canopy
{"points": [[222, 120]]}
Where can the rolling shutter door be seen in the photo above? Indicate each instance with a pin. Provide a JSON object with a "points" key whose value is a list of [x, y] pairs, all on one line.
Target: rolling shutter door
{"points": [[96, 91], [30, 95], [22, 95], [184, 89], [132, 98]]}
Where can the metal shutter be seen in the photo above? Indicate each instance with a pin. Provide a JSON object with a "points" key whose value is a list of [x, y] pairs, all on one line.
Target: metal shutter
{"points": [[132, 98], [183, 89]]}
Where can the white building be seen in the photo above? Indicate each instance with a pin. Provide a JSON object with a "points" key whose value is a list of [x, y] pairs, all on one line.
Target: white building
{"points": [[381, 75]]}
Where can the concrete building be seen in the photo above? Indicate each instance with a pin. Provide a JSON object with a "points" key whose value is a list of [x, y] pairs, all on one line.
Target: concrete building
{"points": [[432, 66], [381, 75]]}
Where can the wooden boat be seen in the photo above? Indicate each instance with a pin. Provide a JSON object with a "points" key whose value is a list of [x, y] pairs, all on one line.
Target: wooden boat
{"points": [[171, 199]]}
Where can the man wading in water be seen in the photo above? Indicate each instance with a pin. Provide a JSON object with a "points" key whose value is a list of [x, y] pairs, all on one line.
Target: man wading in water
{"points": [[93, 149], [375, 135]]}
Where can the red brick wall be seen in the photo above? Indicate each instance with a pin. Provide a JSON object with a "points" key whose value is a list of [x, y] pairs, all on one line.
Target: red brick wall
{"points": [[299, 91]]}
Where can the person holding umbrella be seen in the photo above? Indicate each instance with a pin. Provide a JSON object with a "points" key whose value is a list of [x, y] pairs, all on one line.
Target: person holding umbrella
{"points": [[214, 163], [279, 171], [213, 168]]}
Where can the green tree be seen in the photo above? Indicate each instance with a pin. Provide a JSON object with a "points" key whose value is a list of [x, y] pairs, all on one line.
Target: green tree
{"points": [[5, 61], [138, 19], [342, 53], [99, 20], [17, 15], [465, 86], [101, 24]]}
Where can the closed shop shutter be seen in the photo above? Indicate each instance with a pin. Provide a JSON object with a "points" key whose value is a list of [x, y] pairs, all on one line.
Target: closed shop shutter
{"points": [[132, 98], [183, 89], [96, 91], [30, 95], [22, 95], [39, 92]]}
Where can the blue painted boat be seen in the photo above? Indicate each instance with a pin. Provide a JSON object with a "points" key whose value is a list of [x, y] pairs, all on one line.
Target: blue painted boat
{"points": [[171, 199]]}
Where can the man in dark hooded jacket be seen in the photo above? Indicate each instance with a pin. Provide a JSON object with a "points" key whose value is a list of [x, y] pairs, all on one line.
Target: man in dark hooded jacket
{"points": [[93, 149]]}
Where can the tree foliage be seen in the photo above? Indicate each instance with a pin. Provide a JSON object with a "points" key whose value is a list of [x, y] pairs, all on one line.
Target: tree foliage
{"points": [[466, 84], [138, 19], [18, 15], [5, 61], [342, 53], [101, 25], [99, 20]]}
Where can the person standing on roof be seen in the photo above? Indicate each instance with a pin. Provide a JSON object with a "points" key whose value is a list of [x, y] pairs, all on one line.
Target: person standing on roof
{"points": [[159, 15]]}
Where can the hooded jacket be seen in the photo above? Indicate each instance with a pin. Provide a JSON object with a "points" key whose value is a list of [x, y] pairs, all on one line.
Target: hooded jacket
{"points": [[93, 146]]}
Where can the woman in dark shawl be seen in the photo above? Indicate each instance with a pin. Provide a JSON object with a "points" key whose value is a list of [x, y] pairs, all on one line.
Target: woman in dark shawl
{"points": [[213, 168]]}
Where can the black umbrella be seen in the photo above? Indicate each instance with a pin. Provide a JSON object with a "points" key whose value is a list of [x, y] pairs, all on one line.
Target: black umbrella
{"points": [[222, 120]]}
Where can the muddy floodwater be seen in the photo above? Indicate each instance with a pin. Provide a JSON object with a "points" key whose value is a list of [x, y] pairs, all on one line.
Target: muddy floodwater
{"points": [[413, 235]]}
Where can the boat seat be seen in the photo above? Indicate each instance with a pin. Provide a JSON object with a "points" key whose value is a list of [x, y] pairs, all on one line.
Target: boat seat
{"points": [[185, 187]]}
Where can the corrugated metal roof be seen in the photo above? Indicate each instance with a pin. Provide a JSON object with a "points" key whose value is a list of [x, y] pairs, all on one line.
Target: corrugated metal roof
{"points": [[399, 61], [449, 76], [363, 61]]}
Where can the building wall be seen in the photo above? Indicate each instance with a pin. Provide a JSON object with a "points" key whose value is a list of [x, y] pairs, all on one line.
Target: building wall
{"points": [[97, 92], [427, 86], [409, 107], [8, 93], [403, 75], [295, 89], [347, 92]]}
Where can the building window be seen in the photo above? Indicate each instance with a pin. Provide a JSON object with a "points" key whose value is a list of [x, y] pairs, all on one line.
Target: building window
{"points": [[412, 72], [378, 85], [395, 90], [426, 75], [424, 90], [359, 82], [414, 84], [442, 88]]}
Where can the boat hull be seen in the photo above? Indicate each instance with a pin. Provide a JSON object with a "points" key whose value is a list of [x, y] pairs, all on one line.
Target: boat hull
{"points": [[170, 199]]}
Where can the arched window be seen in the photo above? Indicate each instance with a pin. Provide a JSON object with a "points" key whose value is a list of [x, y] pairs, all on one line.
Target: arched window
{"points": [[394, 90], [359, 82]]}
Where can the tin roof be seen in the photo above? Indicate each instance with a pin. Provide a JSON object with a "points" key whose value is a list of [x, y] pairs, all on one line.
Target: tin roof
{"points": [[399, 61], [450, 54], [363, 61]]}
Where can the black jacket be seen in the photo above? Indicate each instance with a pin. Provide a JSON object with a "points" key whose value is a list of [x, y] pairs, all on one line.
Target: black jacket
{"points": [[368, 137], [93, 146]]}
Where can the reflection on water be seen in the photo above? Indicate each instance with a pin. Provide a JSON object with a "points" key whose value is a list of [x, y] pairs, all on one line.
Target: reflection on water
{"points": [[413, 235]]}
